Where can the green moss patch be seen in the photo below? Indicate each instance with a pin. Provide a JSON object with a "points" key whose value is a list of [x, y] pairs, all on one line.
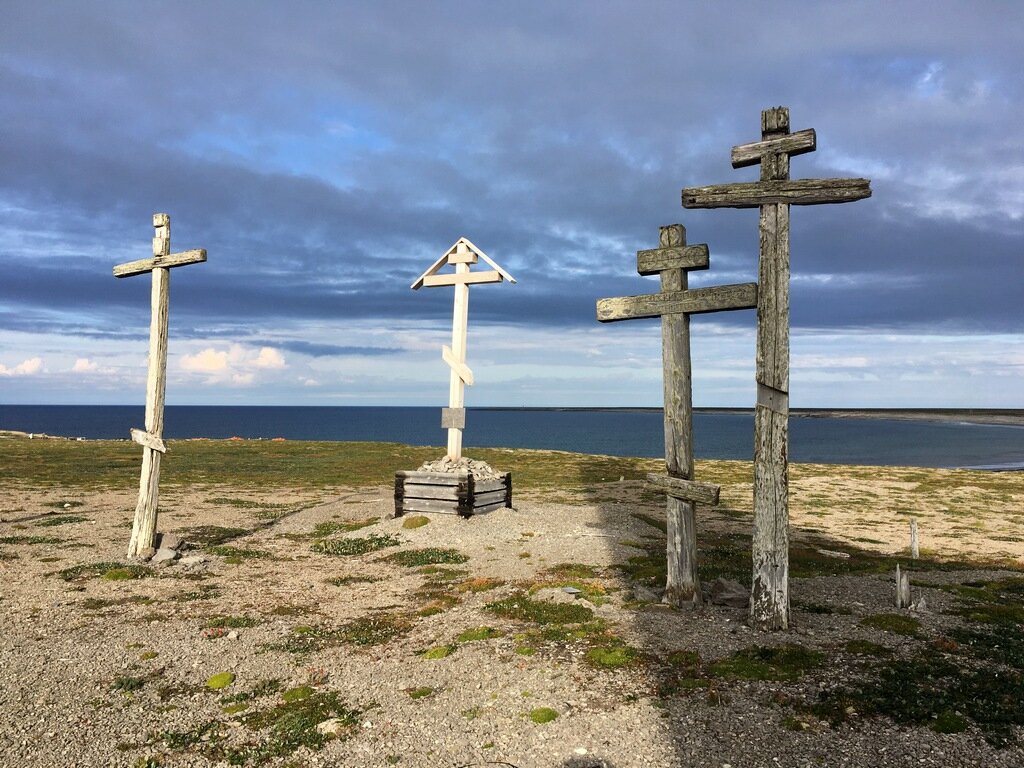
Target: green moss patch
{"points": [[376, 629], [896, 623], [521, 608], [412, 558], [297, 694], [440, 652], [479, 633], [332, 527], [220, 680], [786, 662], [416, 521], [571, 571], [420, 692], [51, 522], [108, 571], [612, 655], [345, 581], [231, 622], [542, 715], [356, 546]]}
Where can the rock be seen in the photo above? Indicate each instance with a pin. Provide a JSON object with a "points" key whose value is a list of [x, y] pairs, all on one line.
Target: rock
{"points": [[169, 541], [729, 593], [642, 594], [232, 635], [554, 595], [147, 553], [164, 556], [571, 590], [921, 606], [481, 469], [192, 560], [332, 727]]}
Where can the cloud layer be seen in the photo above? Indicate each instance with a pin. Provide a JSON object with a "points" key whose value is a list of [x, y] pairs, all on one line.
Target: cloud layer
{"points": [[326, 155]]}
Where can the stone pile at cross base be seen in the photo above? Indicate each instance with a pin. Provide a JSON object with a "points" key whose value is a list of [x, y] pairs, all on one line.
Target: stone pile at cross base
{"points": [[481, 469]]}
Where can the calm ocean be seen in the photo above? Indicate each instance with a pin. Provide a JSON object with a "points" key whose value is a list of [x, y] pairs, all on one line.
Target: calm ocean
{"points": [[611, 432]]}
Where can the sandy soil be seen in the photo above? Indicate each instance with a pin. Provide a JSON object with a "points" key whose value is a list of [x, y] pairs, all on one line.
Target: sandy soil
{"points": [[102, 672]]}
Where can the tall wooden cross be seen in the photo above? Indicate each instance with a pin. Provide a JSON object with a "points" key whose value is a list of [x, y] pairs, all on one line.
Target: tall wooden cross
{"points": [[461, 255], [151, 440], [773, 194], [674, 304]]}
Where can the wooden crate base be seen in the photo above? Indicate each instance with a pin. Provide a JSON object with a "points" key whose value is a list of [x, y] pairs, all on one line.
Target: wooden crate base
{"points": [[453, 493]]}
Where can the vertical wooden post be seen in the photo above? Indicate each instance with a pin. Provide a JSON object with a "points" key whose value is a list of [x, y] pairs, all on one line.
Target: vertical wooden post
{"points": [[460, 324], [769, 598], [682, 587], [144, 526], [915, 548], [902, 588]]}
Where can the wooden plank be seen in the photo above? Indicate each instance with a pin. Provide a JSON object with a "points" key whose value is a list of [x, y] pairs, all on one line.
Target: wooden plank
{"points": [[433, 478], [148, 265], [682, 584], [430, 505], [462, 278], [657, 260], [483, 486], [453, 418], [694, 301], [758, 193], [489, 497], [423, 491], [149, 441], [688, 490], [460, 368], [489, 508], [791, 144]]}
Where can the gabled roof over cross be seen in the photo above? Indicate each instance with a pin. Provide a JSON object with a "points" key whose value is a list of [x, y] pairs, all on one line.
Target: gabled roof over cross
{"points": [[461, 252]]}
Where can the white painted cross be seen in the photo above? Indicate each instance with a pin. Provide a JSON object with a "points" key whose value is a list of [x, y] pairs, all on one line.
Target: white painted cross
{"points": [[151, 440], [460, 255]]}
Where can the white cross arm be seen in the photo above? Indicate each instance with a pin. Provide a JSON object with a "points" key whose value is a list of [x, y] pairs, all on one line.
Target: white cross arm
{"points": [[460, 368], [148, 441], [171, 260], [792, 144], [462, 278], [694, 301]]}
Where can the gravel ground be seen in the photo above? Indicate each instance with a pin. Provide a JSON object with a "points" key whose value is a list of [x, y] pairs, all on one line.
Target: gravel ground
{"points": [[101, 672]]}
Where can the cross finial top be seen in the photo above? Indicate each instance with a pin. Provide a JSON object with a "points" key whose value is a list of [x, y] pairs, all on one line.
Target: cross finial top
{"points": [[162, 237], [774, 120], [672, 236]]}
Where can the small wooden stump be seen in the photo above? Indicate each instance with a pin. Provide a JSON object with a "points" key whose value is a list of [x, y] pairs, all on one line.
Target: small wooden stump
{"points": [[451, 493]]}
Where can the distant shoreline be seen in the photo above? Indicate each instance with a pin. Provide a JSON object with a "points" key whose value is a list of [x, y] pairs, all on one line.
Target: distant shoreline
{"points": [[1012, 417]]}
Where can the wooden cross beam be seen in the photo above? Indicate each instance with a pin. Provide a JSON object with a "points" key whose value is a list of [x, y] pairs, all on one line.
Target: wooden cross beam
{"points": [[773, 194], [461, 255], [151, 440], [674, 304]]}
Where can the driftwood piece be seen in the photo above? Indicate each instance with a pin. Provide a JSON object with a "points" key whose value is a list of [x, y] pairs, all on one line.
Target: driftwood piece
{"points": [[902, 588]]}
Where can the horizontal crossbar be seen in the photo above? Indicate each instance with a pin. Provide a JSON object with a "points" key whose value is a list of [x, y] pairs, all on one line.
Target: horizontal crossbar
{"points": [[792, 144], [757, 193], [695, 301], [659, 259], [687, 490], [171, 260]]}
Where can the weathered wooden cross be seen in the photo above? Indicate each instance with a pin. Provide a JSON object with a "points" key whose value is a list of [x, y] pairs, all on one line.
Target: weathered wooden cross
{"points": [[674, 304], [460, 255], [151, 440], [773, 194]]}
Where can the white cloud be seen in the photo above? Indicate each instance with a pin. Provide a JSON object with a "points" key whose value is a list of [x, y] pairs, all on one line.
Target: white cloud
{"points": [[269, 358], [236, 366], [27, 368], [84, 365]]}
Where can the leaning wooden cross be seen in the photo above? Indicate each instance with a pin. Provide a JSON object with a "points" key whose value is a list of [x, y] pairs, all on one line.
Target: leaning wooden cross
{"points": [[674, 304], [460, 255], [773, 194], [151, 440]]}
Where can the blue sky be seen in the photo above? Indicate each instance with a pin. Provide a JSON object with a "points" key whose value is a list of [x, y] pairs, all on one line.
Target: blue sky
{"points": [[325, 154]]}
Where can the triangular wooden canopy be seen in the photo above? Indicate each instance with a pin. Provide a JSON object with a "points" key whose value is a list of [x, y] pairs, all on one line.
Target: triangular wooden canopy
{"points": [[496, 276]]}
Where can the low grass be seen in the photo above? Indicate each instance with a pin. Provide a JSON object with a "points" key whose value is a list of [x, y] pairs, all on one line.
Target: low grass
{"points": [[758, 662], [52, 522], [355, 546], [412, 558], [376, 629], [332, 527], [109, 571]]}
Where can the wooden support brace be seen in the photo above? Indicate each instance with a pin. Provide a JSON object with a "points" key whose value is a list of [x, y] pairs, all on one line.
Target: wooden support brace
{"points": [[459, 367], [688, 302], [657, 260], [453, 418], [171, 260], [148, 441], [758, 193], [773, 399], [792, 144], [687, 490]]}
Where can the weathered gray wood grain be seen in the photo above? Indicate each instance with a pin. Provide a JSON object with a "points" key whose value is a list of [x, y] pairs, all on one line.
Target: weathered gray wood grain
{"points": [[655, 260], [683, 488], [693, 301], [757, 193], [792, 144], [148, 265]]}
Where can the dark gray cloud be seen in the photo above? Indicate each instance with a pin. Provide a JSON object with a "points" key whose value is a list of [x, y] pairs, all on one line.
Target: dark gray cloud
{"points": [[325, 155]]}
